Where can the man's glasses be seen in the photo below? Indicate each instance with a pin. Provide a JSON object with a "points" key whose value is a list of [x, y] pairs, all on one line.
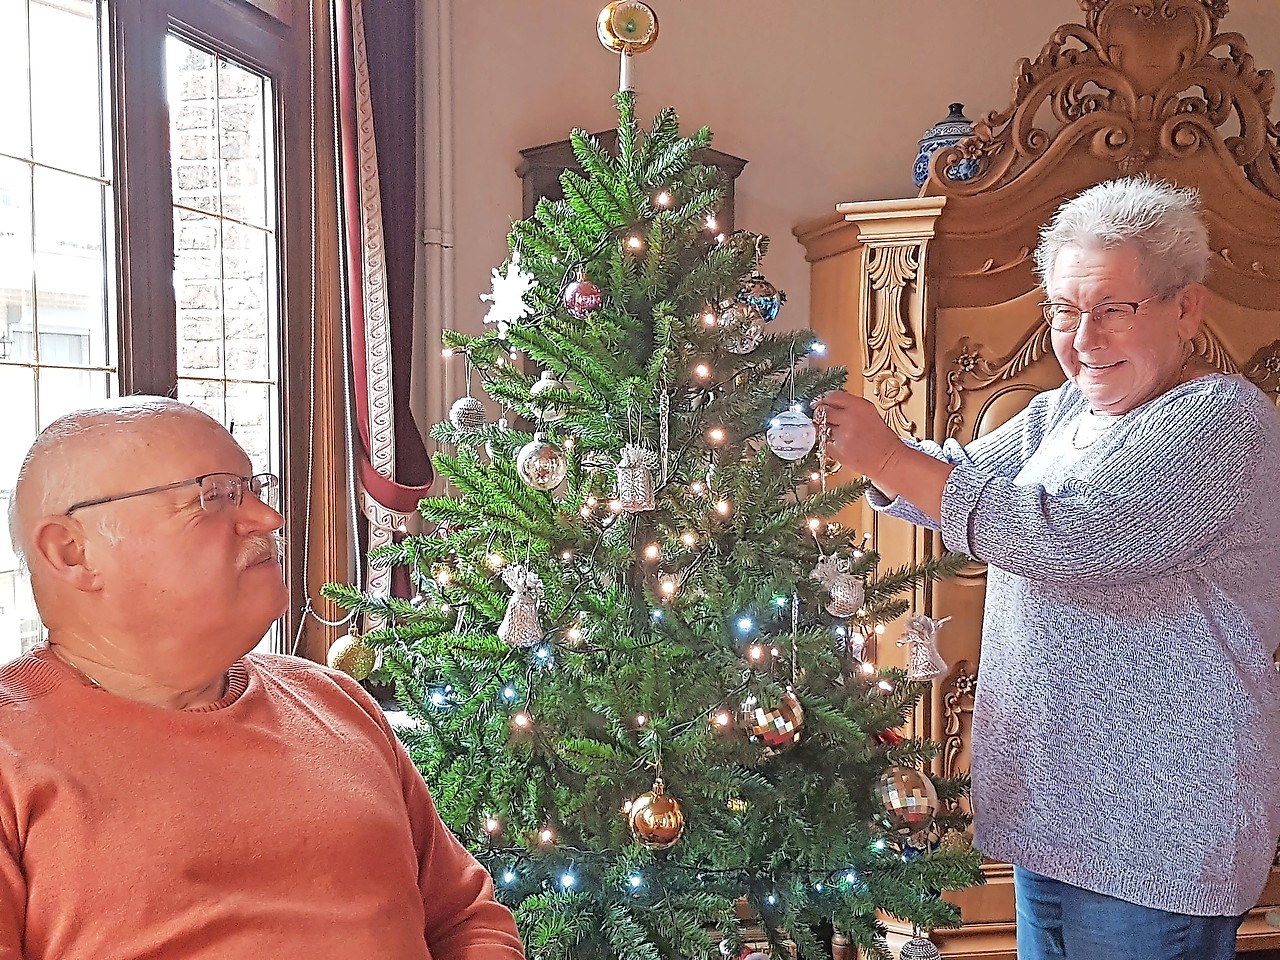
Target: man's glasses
{"points": [[218, 491], [1110, 316]]}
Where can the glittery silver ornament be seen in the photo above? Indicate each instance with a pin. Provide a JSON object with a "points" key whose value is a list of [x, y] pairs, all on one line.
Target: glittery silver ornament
{"points": [[791, 435], [546, 412], [847, 592], [521, 625], [635, 478], [541, 464], [742, 329], [467, 414], [924, 662], [763, 296], [918, 948]]}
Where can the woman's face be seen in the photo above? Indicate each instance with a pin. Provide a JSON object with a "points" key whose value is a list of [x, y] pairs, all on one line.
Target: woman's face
{"points": [[1121, 369]]}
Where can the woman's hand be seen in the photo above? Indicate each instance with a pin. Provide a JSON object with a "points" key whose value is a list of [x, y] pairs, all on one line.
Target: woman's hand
{"points": [[857, 436]]}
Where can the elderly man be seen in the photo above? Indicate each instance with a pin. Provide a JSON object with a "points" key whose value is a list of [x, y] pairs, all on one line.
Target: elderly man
{"points": [[166, 793]]}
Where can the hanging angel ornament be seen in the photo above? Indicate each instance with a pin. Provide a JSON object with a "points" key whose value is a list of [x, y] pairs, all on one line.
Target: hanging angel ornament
{"points": [[521, 626], [507, 298], [923, 660], [846, 589], [636, 491]]}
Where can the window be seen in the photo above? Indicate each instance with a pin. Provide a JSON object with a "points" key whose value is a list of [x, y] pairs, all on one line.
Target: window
{"points": [[145, 231]]}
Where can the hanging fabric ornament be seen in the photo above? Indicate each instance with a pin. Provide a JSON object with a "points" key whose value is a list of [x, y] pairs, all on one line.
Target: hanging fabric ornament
{"points": [[908, 797], [791, 435], [582, 297], [742, 327], [847, 592], [924, 662], [521, 626], [507, 299], [655, 818], [541, 464], [467, 414], [763, 296], [635, 478], [546, 411], [776, 729], [352, 656], [918, 948]]}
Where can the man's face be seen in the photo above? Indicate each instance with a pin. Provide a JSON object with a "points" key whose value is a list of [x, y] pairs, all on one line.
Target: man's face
{"points": [[194, 588]]}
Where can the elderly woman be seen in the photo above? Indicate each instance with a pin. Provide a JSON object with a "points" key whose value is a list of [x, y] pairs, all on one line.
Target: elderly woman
{"points": [[1126, 733]]}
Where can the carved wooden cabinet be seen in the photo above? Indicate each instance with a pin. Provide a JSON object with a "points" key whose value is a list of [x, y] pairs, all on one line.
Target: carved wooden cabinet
{"points": [[931, 301]]}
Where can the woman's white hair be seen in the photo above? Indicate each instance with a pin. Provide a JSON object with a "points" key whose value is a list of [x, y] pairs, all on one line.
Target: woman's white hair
{"points": [[1158, 220]]}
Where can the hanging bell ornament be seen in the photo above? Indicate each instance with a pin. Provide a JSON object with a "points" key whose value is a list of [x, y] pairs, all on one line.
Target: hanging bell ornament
{"points": [[582, 297], [742, 328], [918, 948], [352, 656], [467, 414], [655, 818], [541, 464], [847, 591], [776, 729], [635, 478], [908, 797], [791, 435], [521, 626], [763, 296], [924, 662], [546, 411]]}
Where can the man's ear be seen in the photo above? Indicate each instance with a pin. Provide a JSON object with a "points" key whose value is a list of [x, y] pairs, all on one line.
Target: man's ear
{"points": [[1191, 301], [57, 545]]}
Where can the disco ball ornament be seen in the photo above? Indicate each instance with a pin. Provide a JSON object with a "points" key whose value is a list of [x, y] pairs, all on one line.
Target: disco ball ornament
{"points": [[582, 298], [791, 435], [777, 728], [918, 948], [541, 464], [908, 797], [742, 328], [655, 818], [763, 296], [467, 414], [546, 411], [352, 656]]}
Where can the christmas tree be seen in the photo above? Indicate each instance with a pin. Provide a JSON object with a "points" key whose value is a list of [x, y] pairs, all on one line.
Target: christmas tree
{"points": [[640, 664]]}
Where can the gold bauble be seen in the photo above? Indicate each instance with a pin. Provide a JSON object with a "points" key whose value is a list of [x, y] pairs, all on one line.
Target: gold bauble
{"points": [[655, 818], [908, 797], [627, 26], [352, 656]]}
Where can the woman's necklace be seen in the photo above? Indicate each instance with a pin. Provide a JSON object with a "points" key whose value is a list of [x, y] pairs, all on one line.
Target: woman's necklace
{"points": [[1090, 428]]}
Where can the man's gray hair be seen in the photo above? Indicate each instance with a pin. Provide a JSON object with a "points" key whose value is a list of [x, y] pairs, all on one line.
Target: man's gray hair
{"points": [[1158, 220]]}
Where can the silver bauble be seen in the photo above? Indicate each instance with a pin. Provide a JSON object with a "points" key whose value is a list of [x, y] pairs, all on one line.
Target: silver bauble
{"points": [[545, 411], [541, 464], [791, 435], [847, 596], [742, 328], [467, 414]]}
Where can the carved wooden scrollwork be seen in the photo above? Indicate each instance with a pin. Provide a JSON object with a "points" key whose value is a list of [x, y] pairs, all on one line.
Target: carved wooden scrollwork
{"points": [[894, 349], [957, 701], [1140, 79], [1263, 369]]}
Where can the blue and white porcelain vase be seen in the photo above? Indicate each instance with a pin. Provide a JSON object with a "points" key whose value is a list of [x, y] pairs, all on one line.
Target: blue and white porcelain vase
{"points": [[945, 133]]}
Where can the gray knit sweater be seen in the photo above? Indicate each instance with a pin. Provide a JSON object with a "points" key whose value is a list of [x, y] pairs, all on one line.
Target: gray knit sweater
{"points": [[1126, 731]]}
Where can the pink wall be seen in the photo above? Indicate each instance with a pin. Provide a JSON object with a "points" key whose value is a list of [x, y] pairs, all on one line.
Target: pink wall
{"points": [[825, 98]]}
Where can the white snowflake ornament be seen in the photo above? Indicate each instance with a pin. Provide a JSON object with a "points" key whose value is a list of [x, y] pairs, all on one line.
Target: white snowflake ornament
{"points": [[506, 301]]}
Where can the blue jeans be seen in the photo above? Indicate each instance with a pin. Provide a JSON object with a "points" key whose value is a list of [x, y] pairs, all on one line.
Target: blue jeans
{"points": [[1057, 921]]}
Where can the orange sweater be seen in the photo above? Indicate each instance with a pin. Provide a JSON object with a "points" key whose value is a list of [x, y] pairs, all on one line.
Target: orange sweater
{"points": [[284, 821]]}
